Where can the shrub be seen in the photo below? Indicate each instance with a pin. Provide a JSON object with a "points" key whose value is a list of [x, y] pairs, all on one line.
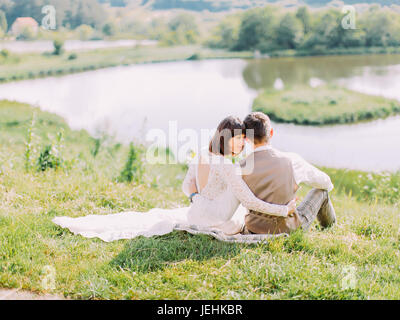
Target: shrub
{"points": [[73, 56], [133, 170], [51, 155], [96, 148], [58, 47], [5, 53], [47, 160]]}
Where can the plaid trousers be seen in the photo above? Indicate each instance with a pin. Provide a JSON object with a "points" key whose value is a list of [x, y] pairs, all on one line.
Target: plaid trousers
{"points": [[317, 204]]}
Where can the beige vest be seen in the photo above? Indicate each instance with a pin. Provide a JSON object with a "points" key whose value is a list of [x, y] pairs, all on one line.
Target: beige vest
{"points": [[271, 179]]}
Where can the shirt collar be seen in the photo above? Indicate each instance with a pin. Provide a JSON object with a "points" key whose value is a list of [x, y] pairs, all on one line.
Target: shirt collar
{"points": [[263, 148]]}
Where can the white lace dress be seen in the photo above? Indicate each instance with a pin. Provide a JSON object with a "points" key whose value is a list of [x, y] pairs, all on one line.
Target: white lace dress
{"points": [[217, 207]]}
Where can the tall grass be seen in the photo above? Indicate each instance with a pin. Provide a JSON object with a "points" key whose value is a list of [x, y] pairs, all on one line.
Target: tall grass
{"points": [[366, 186]]}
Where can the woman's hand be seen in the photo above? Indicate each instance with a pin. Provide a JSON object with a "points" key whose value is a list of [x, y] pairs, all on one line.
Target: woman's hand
{"points": [[292, 205]]}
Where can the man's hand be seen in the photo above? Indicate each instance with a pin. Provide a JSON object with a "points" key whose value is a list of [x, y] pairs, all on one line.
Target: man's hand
{"points": [[292, 205]]}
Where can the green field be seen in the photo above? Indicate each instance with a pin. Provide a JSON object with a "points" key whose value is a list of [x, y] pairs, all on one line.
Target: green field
{"points": [[16, 67], [365, 243], [323, 105]]}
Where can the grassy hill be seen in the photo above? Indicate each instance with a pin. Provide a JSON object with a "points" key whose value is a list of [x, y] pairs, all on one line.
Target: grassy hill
{"points": [[357, 259]]}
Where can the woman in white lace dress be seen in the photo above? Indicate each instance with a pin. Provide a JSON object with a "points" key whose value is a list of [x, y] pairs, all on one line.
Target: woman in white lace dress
{"points": [[215, 187]]}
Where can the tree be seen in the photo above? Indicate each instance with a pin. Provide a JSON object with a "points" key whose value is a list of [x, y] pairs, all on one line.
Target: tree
{"points": [[70, 13], [58, 47], [288, 33], [304, 16], [85, 32], [257, 31], [109, 29], [226, 34], [3, 22], [182, 30], [327, 32], [377, 25]]}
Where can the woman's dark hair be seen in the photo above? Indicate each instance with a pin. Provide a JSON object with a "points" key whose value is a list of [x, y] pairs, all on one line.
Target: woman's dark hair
{"points": [[227, 129]]}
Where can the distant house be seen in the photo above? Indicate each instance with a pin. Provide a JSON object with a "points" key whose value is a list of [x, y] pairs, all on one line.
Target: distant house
{"points": [[23, 23]]}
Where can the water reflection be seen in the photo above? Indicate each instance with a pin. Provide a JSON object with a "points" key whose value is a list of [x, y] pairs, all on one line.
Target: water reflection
{"points": [[262, 73], [128, 102], [196, 95]]}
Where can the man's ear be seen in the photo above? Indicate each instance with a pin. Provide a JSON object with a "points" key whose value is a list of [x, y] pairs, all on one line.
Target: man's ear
{"points": [[272, 132]]}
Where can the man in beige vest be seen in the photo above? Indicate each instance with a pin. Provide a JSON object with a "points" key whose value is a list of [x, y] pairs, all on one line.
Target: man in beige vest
{"points": [[275, 177]]}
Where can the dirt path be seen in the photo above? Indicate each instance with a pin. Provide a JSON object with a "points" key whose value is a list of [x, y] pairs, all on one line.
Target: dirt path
{"points": [[16, 294]]}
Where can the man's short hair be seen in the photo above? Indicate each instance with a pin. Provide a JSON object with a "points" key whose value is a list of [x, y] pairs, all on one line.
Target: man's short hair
{"points": [[260, 124]]}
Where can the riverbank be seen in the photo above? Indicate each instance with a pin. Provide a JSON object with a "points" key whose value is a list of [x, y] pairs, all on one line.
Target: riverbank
{"points": [[38, 256], [323, 105], [15, 67], [335, 52]]}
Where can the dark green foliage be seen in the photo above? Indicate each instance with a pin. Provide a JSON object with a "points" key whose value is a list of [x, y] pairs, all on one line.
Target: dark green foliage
{"points": [[73, 56], [5, 53], [195, 56], [47, 160], [256, 31], [270, 30], [51, 155], [109, 29], [3, 22], [96, 148], [70, 13], [58, 47], [133, 170]]}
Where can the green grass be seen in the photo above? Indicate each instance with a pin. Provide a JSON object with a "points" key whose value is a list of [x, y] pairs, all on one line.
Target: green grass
{"points": [[178, 265], [323, 51], [323, 105], [33, 65]]}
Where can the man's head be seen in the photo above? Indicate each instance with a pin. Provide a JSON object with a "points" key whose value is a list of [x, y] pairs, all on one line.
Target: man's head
{"points": [[260, 124]]}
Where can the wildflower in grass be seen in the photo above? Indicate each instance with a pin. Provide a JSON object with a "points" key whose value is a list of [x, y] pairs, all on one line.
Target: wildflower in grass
{"points": [[29, 143]]}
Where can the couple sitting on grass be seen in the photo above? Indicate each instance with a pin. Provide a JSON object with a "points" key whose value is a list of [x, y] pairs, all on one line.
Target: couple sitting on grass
{"points": [[246, 202]]}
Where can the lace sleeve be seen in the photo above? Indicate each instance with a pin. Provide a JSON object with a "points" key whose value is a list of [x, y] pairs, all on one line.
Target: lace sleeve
{"points": [[247, 198], [189, 179]]}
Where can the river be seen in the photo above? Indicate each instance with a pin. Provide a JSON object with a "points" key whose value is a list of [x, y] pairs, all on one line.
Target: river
{"points": [[132, 102]]}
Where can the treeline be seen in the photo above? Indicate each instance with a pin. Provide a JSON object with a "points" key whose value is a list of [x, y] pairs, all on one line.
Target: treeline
{"points": [[271, 29], [91, 20], [70, 13], [223, 5]]}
